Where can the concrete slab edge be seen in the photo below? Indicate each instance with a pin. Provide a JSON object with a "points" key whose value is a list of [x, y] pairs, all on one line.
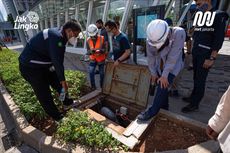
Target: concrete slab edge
{"points": [[184, 121]]}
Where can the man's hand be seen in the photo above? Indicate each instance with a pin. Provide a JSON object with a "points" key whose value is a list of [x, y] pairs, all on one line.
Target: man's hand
{"points": [[116, 63], [92, 51], [211, 133], [163, 81], [64, 85], [154, 78], [208, 63]]}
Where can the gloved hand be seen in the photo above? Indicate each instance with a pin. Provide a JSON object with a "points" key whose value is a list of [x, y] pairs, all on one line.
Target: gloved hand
{"points": [[100, 51], [93, 51]]}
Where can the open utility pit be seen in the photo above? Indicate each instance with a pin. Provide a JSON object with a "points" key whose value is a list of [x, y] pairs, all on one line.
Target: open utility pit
{"points": [[123, 126], [115, 111], [124, 95]]}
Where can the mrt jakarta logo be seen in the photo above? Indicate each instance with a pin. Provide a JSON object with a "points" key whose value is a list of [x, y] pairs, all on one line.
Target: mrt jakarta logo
{"points": [[204, 18], [30, 21]]}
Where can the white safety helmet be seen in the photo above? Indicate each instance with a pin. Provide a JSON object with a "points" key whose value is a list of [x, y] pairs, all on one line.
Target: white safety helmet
{"points": [[92, 30], [157, 33]]}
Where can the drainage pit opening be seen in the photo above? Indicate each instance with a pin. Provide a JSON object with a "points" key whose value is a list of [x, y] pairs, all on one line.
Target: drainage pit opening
{"points": [[114, 111]]}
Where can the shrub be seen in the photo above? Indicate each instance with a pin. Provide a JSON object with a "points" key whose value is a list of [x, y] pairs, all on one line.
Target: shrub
{"points": [[76, 127], [22, 92]]}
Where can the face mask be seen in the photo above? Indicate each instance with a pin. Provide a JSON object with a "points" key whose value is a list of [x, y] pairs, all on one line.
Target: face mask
{"points": [[164, 45], [203, 8], [155, 45], [72, 40], [110, 34]]}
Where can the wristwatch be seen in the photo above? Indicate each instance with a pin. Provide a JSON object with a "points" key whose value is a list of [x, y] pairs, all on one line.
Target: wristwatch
{"points": [[212, 58], [119, 60]]}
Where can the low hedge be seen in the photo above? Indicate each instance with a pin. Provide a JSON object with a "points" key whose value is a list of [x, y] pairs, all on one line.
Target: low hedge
{"points": [[22, 92]]}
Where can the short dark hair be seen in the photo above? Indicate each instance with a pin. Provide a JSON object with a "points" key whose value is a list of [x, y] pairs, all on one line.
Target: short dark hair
{"points": [[111, 24], [73, 25], [99, 21]]}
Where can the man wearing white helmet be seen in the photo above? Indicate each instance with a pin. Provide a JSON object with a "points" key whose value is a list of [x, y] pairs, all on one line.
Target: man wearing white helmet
{"points": [[97, 54], [164, 53]]}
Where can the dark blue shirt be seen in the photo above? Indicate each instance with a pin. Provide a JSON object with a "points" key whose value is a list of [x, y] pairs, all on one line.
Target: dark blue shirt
{"points": [[104, 33], [210, 38], [43, 53], [120, 44]]}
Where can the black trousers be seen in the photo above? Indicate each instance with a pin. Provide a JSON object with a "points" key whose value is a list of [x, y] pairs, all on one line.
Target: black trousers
{"points": [[199, 75], [41, 79]]}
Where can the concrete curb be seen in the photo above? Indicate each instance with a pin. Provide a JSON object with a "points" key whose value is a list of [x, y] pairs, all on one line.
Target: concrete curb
{"points": [[47, 144]]}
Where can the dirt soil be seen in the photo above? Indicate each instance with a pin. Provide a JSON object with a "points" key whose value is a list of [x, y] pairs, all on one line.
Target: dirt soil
{"points": [[48, 125], [166, 135]]}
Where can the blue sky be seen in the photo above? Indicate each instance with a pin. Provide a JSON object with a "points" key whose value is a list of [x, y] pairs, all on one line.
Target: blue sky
{"points": [[2, 9]]}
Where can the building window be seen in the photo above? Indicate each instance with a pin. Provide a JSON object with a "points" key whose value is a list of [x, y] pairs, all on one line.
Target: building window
{"points": [[55, 20], [136, 4], [116, 10], [62, 18], [82, 18], [98, 10], [83, 12], [72, 12]]}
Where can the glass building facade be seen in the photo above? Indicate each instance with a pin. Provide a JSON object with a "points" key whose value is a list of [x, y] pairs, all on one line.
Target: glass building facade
{"points": [[54, 13]]}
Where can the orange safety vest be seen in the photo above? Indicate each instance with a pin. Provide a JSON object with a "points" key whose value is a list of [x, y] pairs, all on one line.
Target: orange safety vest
{"points": [[98, 57]]}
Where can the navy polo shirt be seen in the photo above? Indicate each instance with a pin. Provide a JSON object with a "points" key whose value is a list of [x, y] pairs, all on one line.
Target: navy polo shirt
{"points": [[43, 53]]}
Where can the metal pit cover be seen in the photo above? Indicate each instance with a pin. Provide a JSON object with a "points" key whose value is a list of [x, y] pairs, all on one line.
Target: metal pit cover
{"points": [[127, 82]]}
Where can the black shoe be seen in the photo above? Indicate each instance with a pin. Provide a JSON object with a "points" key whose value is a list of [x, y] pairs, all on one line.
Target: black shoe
{"points": [[73, 105], [68, 101], [93, 88], [58, 118], [189, 108], [187, 99], [190, 68]]}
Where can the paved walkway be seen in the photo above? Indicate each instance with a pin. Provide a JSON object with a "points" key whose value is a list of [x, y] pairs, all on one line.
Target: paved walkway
{"points": [[217, 83], [9, 142]]}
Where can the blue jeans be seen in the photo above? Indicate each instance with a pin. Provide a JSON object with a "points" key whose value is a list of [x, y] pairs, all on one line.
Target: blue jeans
{"points": [[161, 98], [92, 67]]}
